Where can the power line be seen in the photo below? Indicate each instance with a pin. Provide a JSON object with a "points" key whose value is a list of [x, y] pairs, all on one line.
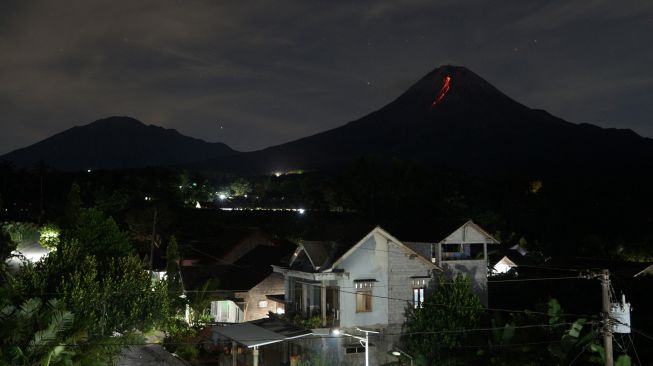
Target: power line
{"points": [[634, 349], [642, 333], [452, 331], [452, 306], [539, 279]]}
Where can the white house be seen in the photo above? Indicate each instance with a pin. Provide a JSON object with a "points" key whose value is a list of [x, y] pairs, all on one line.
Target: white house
{"points": [[369, 285]]}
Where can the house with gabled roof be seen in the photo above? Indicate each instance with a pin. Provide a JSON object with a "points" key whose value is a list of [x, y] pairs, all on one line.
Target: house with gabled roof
{"points": [[370, 283], [241, 285], [463, 251]]}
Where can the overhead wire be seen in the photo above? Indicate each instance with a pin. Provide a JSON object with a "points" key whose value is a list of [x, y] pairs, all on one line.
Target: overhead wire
{"points": [[451, 331]]}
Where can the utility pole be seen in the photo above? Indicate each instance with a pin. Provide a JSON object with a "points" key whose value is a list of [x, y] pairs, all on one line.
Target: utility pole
{"points": [[605, 310], [152, 243]]}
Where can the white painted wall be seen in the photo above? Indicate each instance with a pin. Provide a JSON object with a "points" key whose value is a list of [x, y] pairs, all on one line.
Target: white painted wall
{"points": [[370, 260], [226, 311], [393, 267]]}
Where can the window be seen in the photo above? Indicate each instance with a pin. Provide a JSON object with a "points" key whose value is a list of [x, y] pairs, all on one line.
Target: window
{"points": [[419, 285], [363, 295], [354, 349], [363, 300], [418, 297]]}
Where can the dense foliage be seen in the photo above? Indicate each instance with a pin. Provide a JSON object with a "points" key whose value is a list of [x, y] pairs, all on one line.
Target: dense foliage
{"points": [[83, 302], [437, 330]]}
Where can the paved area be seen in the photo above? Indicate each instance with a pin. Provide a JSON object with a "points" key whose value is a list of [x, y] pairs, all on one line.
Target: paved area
{"points": [[151, 354]]}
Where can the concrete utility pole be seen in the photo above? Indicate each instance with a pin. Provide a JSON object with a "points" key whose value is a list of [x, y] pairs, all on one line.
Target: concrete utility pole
{"points": [[607, 325], [152, 242]]}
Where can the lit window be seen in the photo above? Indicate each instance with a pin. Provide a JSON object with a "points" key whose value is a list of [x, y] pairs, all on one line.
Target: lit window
{"points": [[419, 284], [263, 304], [363, 295], [418, 297]]}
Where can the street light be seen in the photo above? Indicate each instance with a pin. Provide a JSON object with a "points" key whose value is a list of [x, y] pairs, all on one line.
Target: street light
{"points": [[397, 352], [364, 341]]}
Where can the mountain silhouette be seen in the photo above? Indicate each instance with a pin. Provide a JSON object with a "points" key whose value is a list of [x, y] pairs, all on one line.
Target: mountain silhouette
{"points": [[116, 143], [467, 125]]}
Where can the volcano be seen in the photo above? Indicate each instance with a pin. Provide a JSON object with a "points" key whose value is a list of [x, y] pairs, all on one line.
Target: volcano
{"points": [[453, 118], [116, 143]]}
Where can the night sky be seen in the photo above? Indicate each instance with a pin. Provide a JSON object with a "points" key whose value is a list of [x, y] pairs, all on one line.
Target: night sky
{"points": [[258, 73]]}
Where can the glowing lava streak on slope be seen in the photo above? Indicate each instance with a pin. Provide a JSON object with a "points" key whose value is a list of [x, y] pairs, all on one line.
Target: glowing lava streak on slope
{"points": [[443, 91]]}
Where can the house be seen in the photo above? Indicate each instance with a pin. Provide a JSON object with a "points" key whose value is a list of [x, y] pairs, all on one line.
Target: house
{"points": [[241, 286], [369, 284], [510, 260], [463, 251]]}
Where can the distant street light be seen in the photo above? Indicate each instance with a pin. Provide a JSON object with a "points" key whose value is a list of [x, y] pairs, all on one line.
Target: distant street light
{"points": [[397, 352]]}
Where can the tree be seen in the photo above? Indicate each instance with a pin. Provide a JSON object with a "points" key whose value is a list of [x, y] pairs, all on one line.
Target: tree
{"points": [[172, 272], [108, 294], [49, 235], [200, 301], [6, 247], [99, 235], [73, 206], [240, 187], [441, 325], [22, 233]]}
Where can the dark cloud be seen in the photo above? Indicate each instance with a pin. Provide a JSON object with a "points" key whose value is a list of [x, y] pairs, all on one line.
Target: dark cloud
{"points": [[269, 72]]}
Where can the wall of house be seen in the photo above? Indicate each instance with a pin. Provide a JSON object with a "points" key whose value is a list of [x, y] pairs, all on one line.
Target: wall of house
{"points": [[271, 285], [369, 261], [401, 267], [465, 234], [333, 349], [226, 311]]}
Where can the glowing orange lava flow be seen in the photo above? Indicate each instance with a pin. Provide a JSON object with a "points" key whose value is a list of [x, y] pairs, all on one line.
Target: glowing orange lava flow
{"points": [[443, 92]]}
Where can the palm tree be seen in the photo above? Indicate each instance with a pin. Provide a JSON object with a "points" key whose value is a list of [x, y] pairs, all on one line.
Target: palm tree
{"points": [[34, 333]]}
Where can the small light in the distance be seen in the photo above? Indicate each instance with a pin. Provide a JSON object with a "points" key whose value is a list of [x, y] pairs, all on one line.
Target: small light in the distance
{"points": [[88, 170], [222, 197], [301, 211]]}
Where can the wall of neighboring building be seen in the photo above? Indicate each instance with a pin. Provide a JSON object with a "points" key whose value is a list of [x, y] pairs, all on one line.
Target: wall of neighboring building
{"points": [[369, 261], [347, 351], [271, 285], [402, 266], [226, 311]]}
